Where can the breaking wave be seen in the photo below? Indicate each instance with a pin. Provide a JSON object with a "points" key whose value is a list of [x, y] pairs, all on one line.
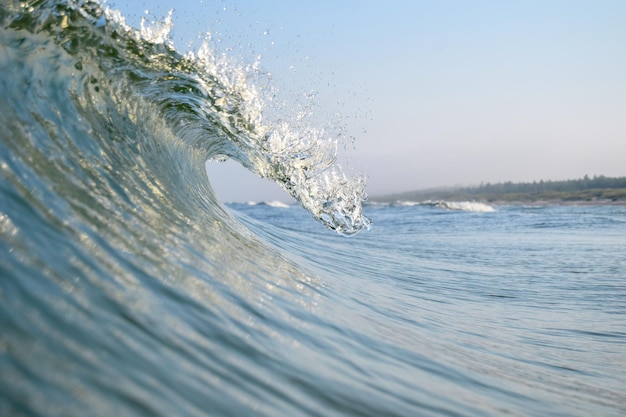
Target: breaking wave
{"points": [[112, 82]]}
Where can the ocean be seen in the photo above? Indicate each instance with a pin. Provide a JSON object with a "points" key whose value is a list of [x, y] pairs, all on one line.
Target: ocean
{"points": [[128, 288]]}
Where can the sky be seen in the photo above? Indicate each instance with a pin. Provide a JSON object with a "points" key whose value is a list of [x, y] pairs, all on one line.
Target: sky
{"points": [[431, 93]]}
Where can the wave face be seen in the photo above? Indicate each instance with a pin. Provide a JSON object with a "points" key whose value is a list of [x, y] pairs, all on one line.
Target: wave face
{"points": [[128, 289]]}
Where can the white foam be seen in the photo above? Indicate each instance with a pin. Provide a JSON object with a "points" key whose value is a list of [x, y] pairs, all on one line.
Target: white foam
{"points": [[157, 31], [471, 206], [276, 204]]}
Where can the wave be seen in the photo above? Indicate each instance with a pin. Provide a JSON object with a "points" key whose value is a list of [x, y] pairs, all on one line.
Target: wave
{"points": [[131, 85], [273, 203], [469, 206], [128, 288], [113, 245]]}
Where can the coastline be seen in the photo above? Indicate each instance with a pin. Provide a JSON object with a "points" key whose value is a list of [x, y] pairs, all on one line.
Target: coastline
{"points": [[537, 203], [612, 197], [541, 203]]}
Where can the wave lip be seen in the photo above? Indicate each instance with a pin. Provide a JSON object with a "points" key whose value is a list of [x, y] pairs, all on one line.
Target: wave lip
{"points": [[300, 158]]}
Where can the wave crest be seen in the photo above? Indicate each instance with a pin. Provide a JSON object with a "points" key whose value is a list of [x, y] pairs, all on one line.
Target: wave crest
{"points": [[301, 159], [209, 102]]}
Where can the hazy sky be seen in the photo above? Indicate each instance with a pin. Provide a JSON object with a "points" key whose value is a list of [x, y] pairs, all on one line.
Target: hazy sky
{"points": [[435, 92]]}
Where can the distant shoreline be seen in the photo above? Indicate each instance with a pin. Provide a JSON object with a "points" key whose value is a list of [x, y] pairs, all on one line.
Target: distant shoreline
{"points": [[501, 202], [560, 203], [597, 197], [585, 191]]}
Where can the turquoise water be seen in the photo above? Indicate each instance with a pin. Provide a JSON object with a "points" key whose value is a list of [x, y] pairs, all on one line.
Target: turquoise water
{"points": [[127, 287]]}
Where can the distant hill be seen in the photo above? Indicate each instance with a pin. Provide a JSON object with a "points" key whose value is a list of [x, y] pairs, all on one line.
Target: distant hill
{"points": [[586, 189]]}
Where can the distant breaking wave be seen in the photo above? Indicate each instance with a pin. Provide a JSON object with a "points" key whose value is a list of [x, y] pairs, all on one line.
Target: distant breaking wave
{"points": [[472, 206], [273, 203], [469, 206]]}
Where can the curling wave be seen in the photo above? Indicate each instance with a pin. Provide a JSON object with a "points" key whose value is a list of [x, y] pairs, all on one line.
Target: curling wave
{"points": [[133, 85]]}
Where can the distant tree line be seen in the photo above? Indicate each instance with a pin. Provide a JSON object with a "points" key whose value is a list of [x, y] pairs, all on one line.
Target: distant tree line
{"points": [[585, 183], [583, 189]]}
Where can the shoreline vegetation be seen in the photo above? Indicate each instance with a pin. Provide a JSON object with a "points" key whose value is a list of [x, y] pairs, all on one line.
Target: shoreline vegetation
{"points": [[586, 190]]}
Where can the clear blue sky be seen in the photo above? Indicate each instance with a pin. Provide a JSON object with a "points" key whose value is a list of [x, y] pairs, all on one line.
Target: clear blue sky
{"points": [[435, 92]]}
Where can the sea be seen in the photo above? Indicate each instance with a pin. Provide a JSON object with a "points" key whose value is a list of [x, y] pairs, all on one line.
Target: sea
{"points": [[129, 288]]}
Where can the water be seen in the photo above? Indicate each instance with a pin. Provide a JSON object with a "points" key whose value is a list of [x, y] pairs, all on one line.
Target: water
{"points": [[127, 288]]}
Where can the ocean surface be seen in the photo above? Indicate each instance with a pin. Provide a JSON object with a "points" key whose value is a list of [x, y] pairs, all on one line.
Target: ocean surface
{"points": [[127, 288]]}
